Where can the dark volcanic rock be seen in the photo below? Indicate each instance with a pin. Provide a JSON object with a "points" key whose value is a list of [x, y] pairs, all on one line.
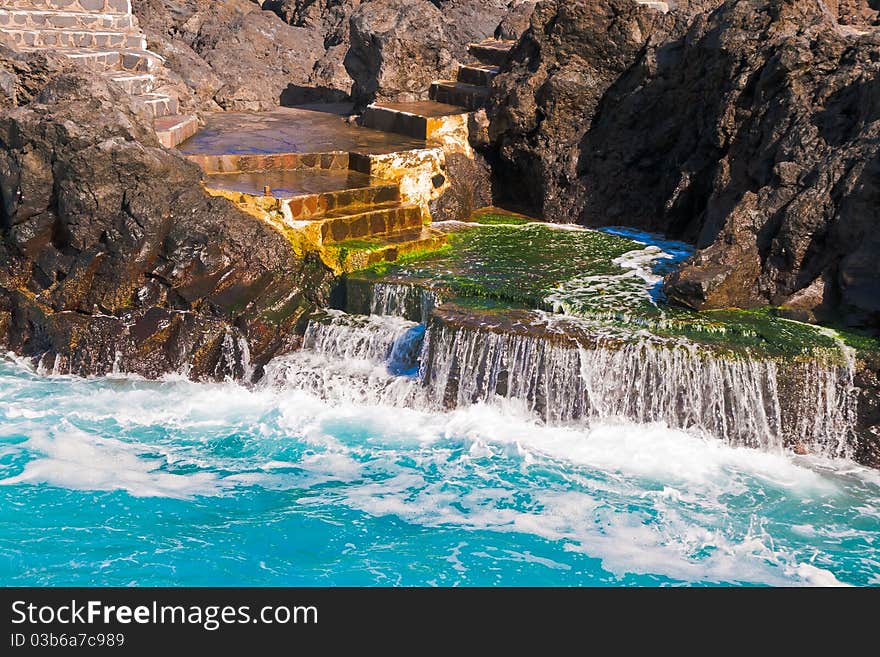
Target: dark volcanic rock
{"points": [[751, 130], [546, 99], [470, 188], [517, 20], [329, 19], [231, 54], [854, 12], [114, 256], [398, 47], [469, 21], [867, 380]]}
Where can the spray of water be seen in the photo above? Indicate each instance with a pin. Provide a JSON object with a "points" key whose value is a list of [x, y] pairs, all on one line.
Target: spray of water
{"points": [[562, 379]]}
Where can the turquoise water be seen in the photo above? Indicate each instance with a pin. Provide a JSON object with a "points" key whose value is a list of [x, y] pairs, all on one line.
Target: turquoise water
{"points": [[123, 481]]}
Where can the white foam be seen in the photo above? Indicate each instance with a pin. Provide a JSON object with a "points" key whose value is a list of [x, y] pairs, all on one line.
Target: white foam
{"points": [[73, 459], [689, 470], [642, 498]]}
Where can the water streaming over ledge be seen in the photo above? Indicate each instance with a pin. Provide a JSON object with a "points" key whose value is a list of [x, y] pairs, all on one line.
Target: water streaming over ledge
{"points": [[349, 466], [564, 371]]}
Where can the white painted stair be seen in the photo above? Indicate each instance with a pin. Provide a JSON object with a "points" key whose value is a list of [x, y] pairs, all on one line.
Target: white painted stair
{"points": [[102, 36]]}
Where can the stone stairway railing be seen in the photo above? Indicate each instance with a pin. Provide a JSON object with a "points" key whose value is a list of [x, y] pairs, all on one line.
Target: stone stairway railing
{"points": [[104, 37]]}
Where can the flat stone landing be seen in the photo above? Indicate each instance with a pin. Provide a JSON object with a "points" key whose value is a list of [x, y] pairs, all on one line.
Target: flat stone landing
{"points": [[353, 195], [286, 183], [311, 129]]}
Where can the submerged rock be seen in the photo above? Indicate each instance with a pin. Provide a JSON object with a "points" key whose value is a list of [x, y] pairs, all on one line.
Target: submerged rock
{"points": [[747, 127], [115, 257]]}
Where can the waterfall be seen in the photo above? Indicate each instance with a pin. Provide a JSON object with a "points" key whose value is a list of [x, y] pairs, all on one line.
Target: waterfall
{"points": [[352, 337], [411, 349], [235, 356], [565, 375], [740, 399], [403, 300], [355, 359]]}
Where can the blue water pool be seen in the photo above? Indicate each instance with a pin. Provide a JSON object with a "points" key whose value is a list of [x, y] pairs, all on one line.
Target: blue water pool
{"points": [[128, 482]]}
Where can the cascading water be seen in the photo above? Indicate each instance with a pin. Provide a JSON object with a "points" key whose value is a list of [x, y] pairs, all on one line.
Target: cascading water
{"points": [[401, 299], [733, 397], [471, 442], [563, 374], [354, 359]]}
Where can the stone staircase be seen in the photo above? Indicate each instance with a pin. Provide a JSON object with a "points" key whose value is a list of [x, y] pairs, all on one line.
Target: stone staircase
{"points": [[332, 204], [443, 120], [104, 37], [471, 88]]}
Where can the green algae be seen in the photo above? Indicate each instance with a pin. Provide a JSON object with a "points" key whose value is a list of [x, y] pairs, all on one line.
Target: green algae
{"points": [[735, 328], [522, 263], [861, 342], [384, 268], [496, 219], [359, 245], [510, 263]]}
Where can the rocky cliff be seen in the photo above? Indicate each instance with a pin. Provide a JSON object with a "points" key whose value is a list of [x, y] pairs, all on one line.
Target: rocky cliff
{"points": [[114, 256], [748, 127], [232, 55], [249, 55]]}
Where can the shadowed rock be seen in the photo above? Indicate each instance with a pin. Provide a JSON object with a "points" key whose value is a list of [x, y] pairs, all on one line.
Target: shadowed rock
{"points": [[115, 257], [747, 127], [232, 55]]}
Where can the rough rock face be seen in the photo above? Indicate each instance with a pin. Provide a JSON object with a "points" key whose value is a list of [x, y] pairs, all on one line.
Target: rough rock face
{"points": [[114, 257], [517, 20], [470, 188], [232, 54], [469, 21], [854, 12], [750, 129], [398, 47], [867, 380], [256, 54], [330, 20]]}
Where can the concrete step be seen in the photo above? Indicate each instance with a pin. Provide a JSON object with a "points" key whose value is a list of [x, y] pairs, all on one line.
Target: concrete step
{"points": [[233, 162], [477, 74], [98, 59], [469, 96], [657, 6], [56, 38], [136, 84], [419, 120], [155, 105], [175, 129], [80, 6], [364, 253], [24, 19], [492, 52], [382, 220], [141, 60], [343, 201], [305, 194], [95, 60]]}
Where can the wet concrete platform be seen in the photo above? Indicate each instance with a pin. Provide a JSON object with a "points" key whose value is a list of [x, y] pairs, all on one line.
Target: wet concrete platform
{"points": [[312, 129], [426, 108], [287, 184]]}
